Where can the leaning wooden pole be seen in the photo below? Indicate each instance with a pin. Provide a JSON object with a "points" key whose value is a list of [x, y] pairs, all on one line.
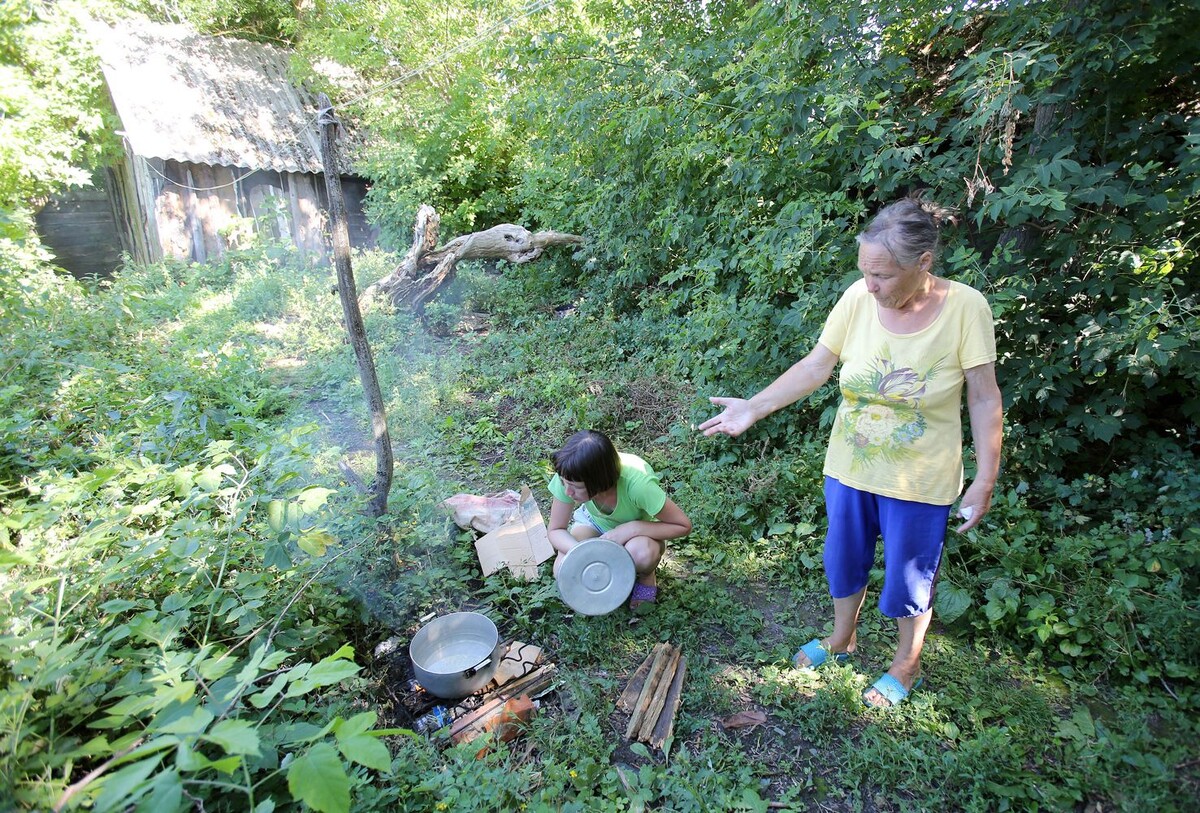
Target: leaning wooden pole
{"points": [[354, 321]]}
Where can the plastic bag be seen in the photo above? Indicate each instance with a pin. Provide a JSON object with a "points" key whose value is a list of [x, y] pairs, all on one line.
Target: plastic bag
{"points": [[485, 514]]}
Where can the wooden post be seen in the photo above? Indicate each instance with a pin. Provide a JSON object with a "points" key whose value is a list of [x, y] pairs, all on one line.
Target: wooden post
{"points": [[354, 321]]}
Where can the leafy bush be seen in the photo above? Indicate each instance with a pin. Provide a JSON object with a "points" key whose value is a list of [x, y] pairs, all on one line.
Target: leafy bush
{"points": [[165, 624], [1113, 592], [728, 189]]}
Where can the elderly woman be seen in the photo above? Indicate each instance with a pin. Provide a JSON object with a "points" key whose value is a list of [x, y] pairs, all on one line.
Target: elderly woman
{"points": [[907, 340]]}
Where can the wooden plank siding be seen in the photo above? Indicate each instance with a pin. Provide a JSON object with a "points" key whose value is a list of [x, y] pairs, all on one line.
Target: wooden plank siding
{"points": [[81, 231], [150, 209]]}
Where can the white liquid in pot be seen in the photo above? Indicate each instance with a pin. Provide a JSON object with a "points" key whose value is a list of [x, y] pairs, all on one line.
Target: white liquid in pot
{"points": [[451, 662]]}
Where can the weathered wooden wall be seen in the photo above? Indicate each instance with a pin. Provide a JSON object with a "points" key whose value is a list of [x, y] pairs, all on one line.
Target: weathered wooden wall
{"points": [[152, 209], [81, 230], [362, 233], [198, 208]]}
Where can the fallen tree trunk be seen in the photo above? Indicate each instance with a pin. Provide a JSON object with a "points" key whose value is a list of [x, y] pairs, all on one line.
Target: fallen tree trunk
{"points": [[426, 268]]}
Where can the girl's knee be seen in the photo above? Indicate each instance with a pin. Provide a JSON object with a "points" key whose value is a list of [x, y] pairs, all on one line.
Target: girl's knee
{"points": [[646, 552]]}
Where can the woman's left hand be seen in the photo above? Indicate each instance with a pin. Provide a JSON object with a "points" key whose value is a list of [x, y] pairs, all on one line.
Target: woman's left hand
{"points": [[973, 505]]}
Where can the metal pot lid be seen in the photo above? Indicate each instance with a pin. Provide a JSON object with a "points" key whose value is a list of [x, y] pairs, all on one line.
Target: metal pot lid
{"points": [[596, 577]]}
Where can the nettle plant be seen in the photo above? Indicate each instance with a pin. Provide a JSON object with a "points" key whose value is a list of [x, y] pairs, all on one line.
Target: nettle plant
{"points": [[166, 639], [1114, 591]]}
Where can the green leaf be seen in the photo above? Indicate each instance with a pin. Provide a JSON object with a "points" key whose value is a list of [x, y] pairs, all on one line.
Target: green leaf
{"points": [[357, 724], [227, 765], [119, 786], [367, 751], [193, 723], [298, 733], [951, 602], [188, 758], [315, 542], [235, 737], [261, 699], [165, 796], [277, 515], [118, 605], [209, 478], [313, 498], [318, 779], [13, 557], [327, 672], [641, 750], [275, 555]]}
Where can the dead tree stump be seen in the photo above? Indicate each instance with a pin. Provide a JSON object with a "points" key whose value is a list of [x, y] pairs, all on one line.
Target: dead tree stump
{"points": [[427, 268]]}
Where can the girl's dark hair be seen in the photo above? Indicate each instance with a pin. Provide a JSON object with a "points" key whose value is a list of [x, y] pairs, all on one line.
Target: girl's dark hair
{"points": [[588, 457], [908, 228]]}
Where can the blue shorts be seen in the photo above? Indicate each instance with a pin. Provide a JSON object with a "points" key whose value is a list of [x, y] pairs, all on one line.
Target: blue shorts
{"points": [[913, 536]]}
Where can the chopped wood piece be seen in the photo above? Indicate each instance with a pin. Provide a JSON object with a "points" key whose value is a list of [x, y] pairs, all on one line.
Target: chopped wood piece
{"points": [[659, 698], [666, 721], [634, 687], [494, 700], [744, 719], [531, 684], [501, 717], [645, 697], [472, 717], [509, 723]]}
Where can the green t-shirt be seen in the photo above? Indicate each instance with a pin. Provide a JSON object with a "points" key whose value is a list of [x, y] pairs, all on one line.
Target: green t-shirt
{"points": [[639, 496], [898, 430]]}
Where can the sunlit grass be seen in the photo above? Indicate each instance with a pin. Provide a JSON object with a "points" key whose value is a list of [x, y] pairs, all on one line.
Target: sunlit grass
{"points": [[739, 595]]}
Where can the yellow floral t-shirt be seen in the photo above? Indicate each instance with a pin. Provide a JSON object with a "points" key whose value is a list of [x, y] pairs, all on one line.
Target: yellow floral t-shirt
{"points": [[898, 430]]}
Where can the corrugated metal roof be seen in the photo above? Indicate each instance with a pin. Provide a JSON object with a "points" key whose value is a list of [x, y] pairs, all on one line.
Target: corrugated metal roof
{"points": [[184, 96]]}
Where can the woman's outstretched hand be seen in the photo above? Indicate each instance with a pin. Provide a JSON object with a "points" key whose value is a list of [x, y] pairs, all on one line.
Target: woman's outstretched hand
{"points": [[736, 419]]}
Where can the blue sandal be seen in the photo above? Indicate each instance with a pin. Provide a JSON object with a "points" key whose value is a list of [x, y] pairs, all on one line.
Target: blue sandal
{"points": [[817, 655], [892, 690]]}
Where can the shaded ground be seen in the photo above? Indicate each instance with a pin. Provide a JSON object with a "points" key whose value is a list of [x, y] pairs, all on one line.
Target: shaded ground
{"points": [[786, 756]]}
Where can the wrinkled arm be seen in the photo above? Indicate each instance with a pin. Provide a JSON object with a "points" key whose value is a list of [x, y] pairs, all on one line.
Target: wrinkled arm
{"points": [[985, 405], [798, 381]]}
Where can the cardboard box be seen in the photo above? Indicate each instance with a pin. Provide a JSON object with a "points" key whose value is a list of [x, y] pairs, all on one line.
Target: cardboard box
{"points": [[520, 544]]}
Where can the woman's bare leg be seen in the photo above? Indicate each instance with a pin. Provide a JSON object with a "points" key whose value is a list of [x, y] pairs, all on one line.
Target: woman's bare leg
{"points": [[845, 626]]}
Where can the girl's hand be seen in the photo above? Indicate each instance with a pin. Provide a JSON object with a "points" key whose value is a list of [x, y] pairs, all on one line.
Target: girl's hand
{"points": [[617, 535]]}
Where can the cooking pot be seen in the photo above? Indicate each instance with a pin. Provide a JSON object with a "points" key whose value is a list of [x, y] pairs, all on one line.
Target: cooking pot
{"points": [[455, 655]]}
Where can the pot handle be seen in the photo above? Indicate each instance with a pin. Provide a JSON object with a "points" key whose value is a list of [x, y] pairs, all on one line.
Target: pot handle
{"points": [[470, 672], [500, 648]]}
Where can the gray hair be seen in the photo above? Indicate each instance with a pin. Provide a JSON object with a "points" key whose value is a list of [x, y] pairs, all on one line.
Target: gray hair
{"points": [[907, 229]]}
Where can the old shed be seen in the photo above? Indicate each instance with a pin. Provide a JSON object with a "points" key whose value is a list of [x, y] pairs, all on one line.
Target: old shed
{"points": [[218, 141]]}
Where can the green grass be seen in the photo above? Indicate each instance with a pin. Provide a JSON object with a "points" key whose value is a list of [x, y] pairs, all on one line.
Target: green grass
{"points": [[252, 354]]}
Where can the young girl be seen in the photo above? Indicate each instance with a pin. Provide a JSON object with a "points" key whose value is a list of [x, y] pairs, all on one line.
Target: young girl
{"points": [[598, 492]]}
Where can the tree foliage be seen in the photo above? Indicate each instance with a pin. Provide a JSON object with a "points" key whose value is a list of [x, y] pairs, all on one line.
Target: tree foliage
{"points": [[720, 157], [435, 108], [52, 131], [722, 160]]}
